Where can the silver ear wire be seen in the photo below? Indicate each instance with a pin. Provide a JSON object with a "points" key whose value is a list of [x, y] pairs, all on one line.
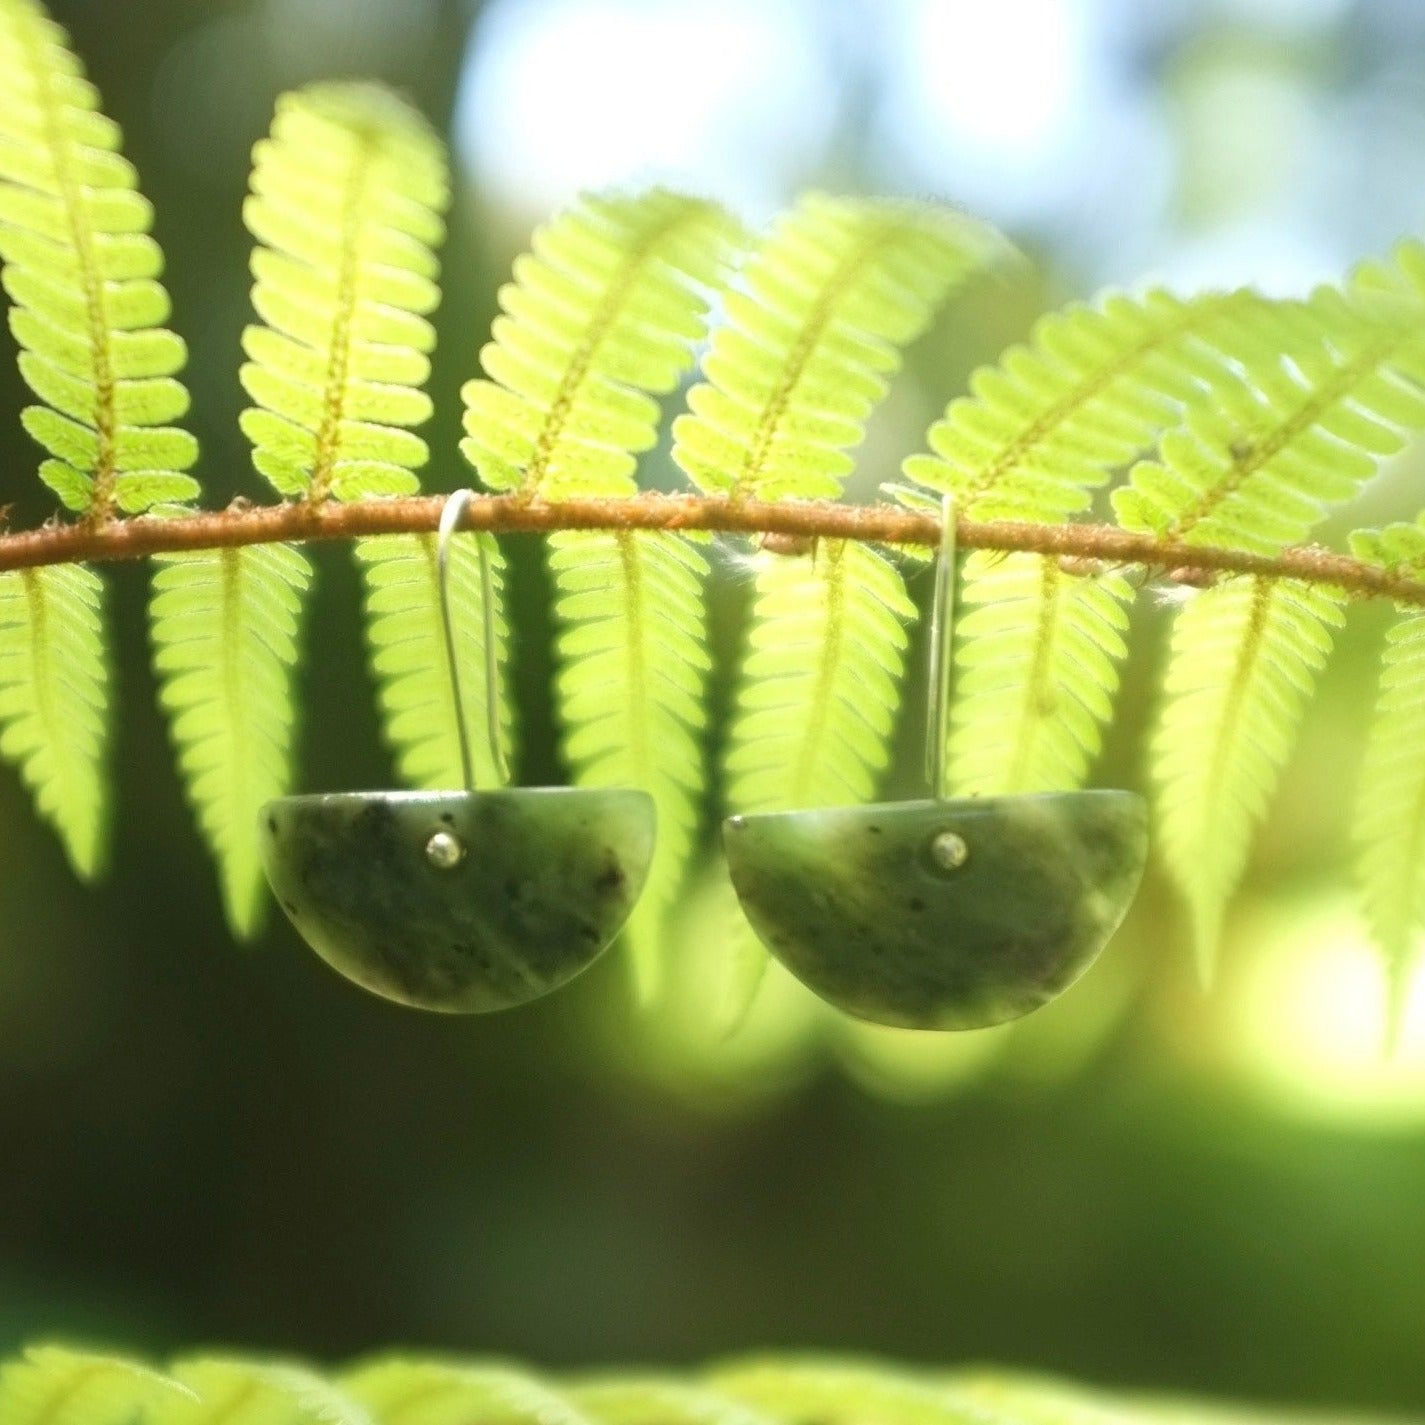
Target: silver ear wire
{"points": [[450, 517], [942, 637]]}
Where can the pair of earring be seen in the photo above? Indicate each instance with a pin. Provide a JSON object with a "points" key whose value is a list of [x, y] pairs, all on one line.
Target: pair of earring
{"points": [[934, 914]]}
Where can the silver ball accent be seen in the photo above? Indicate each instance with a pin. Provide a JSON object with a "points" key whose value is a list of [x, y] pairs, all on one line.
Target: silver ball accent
{"points": [[949, 850], [444, 850]]}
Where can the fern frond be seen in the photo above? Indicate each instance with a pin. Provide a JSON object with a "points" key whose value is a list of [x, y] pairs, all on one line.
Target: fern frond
{"points": [[826, 1388], [50, 1385], [1092, 390], [347, 196], [54, 696], [406, 640], [628, 1400], [604, 310], [793, 374], [1390, 820], [1326, 389], [1036, 671], [240, 1392], [820, 682], [632, 691], [224, 625], [82, 273], [1244, 660], [432, 1392]]}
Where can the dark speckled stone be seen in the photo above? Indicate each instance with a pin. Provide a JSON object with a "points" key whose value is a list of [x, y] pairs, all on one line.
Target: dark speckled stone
{"points": [[548, 878], [852, 902]]}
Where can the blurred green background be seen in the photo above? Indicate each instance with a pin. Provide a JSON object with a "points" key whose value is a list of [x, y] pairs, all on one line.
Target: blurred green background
{"points": [[1142, 1185]]}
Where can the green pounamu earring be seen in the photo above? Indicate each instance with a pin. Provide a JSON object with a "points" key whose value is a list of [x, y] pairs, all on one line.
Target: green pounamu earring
{"points": [[465, 901], [943, 913]]}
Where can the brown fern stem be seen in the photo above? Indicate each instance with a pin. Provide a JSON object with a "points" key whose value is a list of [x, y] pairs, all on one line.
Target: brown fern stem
{"points": [[1084, 548]]}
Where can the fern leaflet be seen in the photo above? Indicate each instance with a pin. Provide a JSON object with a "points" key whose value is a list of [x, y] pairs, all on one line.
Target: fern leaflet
{"points": [[50, 1385], [1261, 456], [819, 690], [1244, 660], [82, 273], [604, 310], [346, 201], [1390, 829], [601, 315], [1093, 388], [403, 626], [237, 1392], [632, 690], [1035, 674], [224, 625], [54, 681], [793, 374], [652, 1401], [812, 1388], [426, 1392]]}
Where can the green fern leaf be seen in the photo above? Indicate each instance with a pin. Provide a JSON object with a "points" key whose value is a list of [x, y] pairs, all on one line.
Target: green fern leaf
{"points": [[1091, 391], [1244, 660], [811, 1388], [632, 691], [425, 1392], [604, 310], [793, 374], [237, 1392], [652, 1401], [54, 701], [819, 683], [601, 316], [346, 199], [50, 1385], [82, 273], [408, 659], [1327, 388], [1390, 830], [225, 627], [1035, 674], [1399, 548]]}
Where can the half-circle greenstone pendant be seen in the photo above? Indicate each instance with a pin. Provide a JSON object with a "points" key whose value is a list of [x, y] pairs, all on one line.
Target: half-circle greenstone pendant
{"points": [[465, 902], [953, 914]]}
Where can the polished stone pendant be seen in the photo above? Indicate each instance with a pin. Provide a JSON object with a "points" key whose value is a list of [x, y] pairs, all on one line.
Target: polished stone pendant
{"points": [[462, 901], [954, 914], [465, 902], [947, 913]]}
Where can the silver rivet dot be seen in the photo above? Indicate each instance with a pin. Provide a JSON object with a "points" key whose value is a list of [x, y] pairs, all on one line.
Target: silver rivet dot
{"points": [[949, 850], [444, 851]]}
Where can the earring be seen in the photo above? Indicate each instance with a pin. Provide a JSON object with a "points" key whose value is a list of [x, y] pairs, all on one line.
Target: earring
{"points": [[941, 913], [466, 901]]}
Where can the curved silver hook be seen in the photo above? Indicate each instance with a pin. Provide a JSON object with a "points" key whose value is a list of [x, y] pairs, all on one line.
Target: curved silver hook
{"points": [[450, 516], [942, 637]]}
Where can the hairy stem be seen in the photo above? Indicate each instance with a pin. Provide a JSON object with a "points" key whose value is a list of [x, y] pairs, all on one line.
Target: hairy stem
{"points": [[1084, 548]]}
